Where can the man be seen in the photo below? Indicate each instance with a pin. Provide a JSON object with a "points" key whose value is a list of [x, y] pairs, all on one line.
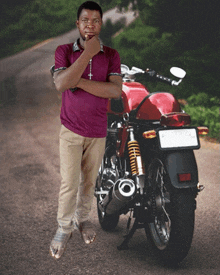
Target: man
{"points": [[88, 74]]}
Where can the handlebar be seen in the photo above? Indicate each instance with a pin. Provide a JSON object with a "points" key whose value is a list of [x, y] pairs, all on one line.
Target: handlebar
{"points": [[172, 82], [129, 75]]}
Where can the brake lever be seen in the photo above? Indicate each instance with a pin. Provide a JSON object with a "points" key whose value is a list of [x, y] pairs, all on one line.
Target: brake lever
{"points": [[150, 72]]}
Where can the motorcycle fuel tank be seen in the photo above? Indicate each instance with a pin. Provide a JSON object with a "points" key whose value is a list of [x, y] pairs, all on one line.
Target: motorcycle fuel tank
{"points": [[147, 106], [132, 94]]}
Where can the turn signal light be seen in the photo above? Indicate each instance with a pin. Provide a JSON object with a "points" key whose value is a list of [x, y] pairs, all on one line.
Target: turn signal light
{"points": [[184, 177], [149, 134], [203, 130], [175, 119]]}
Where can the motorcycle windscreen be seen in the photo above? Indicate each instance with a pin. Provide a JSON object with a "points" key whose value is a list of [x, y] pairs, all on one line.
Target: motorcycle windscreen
{"points": [[157, 104]]}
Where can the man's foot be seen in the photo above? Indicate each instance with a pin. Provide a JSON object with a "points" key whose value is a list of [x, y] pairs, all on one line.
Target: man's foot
{"points": [[87, 233], [59, 243]]}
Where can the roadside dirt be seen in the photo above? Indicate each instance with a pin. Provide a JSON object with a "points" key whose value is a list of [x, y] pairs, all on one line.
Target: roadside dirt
{"points": [[209, 143]]}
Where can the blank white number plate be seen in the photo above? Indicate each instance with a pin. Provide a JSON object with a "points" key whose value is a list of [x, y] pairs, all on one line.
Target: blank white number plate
{"points": [[176, 138]]}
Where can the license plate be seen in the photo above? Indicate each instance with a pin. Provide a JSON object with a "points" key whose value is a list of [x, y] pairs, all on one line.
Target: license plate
{"points": [[179, 138]]}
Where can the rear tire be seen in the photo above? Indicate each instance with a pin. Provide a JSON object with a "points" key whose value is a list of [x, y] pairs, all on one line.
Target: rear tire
{"points": [[171, 232]]}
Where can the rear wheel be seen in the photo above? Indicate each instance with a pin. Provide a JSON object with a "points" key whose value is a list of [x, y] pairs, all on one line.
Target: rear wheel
{"points": [[171, 230]]}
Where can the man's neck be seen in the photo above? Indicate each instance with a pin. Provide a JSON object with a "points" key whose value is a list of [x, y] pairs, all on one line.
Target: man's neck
{"points": [[81, 43]]}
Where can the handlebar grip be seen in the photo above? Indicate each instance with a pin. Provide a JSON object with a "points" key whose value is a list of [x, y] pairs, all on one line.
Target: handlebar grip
{"points": [[153, 74], [164, 78]]}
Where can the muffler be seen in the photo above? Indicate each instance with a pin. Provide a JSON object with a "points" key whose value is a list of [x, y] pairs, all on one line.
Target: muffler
{"points": [[123, 191]]}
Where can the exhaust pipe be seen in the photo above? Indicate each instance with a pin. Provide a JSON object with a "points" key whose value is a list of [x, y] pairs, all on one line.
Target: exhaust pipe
{"points": [[119, 195]]}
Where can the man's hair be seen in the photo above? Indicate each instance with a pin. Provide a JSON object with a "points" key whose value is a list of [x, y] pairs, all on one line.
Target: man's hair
{"points": [[89, 5]]}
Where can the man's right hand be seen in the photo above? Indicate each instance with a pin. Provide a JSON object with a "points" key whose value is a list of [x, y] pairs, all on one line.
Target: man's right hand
{"points": [[70, 77], [92, 45]]}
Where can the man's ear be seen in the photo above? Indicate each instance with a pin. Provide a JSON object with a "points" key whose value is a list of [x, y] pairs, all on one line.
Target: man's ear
{"points": [[77, 23]]}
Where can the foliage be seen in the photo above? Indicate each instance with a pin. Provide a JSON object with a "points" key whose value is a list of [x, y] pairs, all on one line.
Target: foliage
{"points": [[195, 22], [136, 45], [109, 30], [204, 111], [203, 116], [203, 99], [185, 33], [144, 46], [202, 66]]}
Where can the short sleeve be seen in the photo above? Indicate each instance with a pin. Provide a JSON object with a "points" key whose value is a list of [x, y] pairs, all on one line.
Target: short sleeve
{"points": [[61, 58], [114, 64]]}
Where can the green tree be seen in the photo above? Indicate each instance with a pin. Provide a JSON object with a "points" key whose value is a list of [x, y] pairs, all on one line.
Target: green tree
{"points": [[183, 33], [195, 21]]}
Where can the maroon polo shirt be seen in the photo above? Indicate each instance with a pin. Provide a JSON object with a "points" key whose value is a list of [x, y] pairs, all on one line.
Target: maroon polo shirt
{"points": [[81, 112]]}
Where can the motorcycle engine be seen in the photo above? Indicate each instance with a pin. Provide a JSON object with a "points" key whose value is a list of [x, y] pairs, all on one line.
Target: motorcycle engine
{"points": [[113, 131], [108, 178]]}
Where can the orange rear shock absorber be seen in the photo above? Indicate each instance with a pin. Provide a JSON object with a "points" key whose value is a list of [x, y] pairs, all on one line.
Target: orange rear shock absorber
{"points": [[135, 155]]}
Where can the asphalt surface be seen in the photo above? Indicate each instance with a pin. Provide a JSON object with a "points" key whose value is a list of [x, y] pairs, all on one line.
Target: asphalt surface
{"points": [[30, 180]]}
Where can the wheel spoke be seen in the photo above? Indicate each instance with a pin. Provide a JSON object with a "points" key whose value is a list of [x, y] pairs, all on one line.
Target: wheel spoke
{"points": [[160, 229], [168, 218]]}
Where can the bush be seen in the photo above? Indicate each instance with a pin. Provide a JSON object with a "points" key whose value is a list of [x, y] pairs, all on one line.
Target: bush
{"points": [[203, 99], [202, 116]]}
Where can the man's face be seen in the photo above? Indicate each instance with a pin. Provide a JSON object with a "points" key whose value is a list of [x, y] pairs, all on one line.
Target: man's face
{"points": [[90, 23]]}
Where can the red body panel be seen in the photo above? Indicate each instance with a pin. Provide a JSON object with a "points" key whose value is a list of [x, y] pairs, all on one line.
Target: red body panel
{"points": [[132, 94], [155, 104]]}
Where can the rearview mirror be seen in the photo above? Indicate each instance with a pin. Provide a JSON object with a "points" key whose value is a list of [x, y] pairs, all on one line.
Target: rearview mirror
{"points": [[124, 69], [178, 72]]}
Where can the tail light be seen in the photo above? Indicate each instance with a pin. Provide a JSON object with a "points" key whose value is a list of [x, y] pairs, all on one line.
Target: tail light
{"points": [[149, 134], [203, 130], [175, 119], [184, 177]]}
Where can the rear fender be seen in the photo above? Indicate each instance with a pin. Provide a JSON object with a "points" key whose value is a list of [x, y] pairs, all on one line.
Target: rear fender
{"points": [[181, 162]]}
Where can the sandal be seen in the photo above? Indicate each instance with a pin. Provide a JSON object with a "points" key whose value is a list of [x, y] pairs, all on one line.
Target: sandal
{"points": [[87, 233], [59, 243]]}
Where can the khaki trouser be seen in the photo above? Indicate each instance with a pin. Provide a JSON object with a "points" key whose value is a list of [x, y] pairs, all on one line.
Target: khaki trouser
{"points": [[80, 159]]}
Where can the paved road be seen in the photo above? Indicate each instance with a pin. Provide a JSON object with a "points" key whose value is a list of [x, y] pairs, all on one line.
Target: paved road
{"points": [[29, 179]]}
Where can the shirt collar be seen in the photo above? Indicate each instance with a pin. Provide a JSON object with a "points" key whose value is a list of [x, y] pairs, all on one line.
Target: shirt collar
{"points": [[77, 48]]}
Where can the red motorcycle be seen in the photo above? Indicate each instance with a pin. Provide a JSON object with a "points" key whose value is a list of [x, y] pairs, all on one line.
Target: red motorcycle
{"points": [[149, 170]]}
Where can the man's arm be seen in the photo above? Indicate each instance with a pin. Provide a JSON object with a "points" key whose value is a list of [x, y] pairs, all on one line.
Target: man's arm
{"points": [[111, 89], [69, 77]]}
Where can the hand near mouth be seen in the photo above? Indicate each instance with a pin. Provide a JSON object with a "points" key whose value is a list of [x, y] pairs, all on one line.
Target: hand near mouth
{"points": [[89, 36], [92, 44]]}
